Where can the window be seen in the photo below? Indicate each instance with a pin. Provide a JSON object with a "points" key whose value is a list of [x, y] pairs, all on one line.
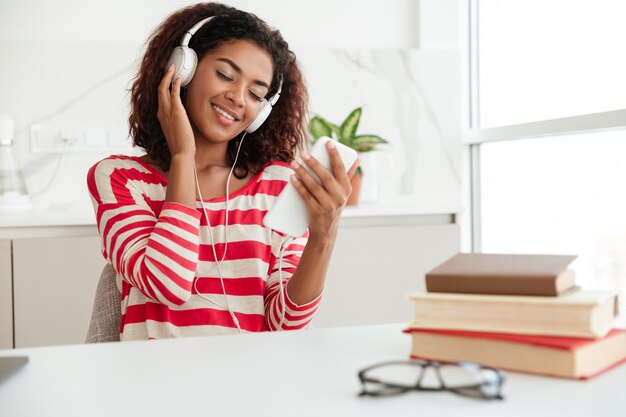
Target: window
{"points": [[547, 59], [564, 194], [548, 132]]}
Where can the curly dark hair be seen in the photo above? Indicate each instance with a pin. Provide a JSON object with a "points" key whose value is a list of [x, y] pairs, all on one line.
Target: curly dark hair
{"points": [[282, 134]]}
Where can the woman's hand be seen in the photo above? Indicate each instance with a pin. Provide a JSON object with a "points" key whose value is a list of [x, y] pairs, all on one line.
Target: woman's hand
{"points": [[325, 201], [173, 117]]}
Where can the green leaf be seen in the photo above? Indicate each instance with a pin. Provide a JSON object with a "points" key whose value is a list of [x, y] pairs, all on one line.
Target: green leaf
{"points": [[335, 129], [367, 140], [319, 127], [349, 126], [364, 148]]}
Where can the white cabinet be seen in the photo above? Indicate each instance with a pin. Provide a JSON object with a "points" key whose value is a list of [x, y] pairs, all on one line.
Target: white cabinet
{"points": [[6, 296], [54, 282], [374, 268]]}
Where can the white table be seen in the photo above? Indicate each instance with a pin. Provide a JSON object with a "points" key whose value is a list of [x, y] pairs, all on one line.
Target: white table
{"points": [[305, 373]]}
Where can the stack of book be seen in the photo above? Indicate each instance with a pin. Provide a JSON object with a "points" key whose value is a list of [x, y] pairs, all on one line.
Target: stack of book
{"points": [[516, 312]]}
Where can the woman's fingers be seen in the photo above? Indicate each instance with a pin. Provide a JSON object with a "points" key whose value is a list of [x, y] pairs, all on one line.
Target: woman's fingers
{"points": [[335, 181], [336, 164], [163, 94], [353, 168], [324, 191], [310, 184], [339, 169], [330, 191], [175, 93], [172, 115], [164, 85], [308, 198]]}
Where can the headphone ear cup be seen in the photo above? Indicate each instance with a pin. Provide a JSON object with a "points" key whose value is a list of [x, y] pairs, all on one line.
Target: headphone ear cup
{"points": [[186, 61], [262, 115]]}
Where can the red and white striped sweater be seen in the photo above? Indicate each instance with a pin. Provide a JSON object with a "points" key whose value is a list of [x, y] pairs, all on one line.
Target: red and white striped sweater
{"points": [[158, 249]]}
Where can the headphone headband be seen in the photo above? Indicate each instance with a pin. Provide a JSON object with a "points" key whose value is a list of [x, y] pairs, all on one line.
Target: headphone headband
{"points": [[276, 95], [193, 30]]}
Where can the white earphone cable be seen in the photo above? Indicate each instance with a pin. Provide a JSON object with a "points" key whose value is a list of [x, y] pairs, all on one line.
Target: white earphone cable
{"points": [[284, 242], [218, 264]]}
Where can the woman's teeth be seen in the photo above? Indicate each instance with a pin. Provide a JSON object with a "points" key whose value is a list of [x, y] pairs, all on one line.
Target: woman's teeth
{"points": [[223, 113]]}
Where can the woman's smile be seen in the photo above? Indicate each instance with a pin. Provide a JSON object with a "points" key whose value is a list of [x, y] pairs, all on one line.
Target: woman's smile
{"points": [[224, 116]]}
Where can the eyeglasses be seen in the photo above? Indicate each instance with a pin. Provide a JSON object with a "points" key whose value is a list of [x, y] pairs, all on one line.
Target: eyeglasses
{"points": [[462, 378]]}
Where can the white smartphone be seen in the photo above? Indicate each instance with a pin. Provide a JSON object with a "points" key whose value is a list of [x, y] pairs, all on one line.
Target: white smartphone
{"points": [[289, 213]]}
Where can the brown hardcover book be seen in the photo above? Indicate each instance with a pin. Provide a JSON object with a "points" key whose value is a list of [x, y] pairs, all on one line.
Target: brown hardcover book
{"points": [[581, 313], [547, 355], [486, 273]]}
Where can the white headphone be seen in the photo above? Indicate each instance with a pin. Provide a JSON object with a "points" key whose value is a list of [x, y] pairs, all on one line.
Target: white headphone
{"points": [[186, 62]]}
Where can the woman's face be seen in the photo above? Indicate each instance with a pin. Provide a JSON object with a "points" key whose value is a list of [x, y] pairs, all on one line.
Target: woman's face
{"points": [[226, 91]]}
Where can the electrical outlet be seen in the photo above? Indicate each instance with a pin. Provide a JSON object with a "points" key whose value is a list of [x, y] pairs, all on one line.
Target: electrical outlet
{"points": [[79, 140], [53, 140]]}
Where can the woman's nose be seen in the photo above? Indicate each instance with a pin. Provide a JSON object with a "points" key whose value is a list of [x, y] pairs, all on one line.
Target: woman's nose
{"points": [[236, 94]]}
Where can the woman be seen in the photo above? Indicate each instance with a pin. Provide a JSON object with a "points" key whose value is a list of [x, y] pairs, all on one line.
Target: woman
{"points": [[182, 225]]}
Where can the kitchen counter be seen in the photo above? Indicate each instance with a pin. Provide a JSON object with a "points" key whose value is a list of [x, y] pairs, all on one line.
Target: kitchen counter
{"points": [[57, 220], [72, 220]]}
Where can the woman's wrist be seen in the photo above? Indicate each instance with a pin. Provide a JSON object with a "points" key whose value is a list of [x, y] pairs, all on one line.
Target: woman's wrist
{"points": [[180, 182], [322, 240], [185, 157]]}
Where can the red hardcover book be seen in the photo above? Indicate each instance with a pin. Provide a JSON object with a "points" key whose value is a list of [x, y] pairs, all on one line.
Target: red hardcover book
{"points": [[567, 357]]}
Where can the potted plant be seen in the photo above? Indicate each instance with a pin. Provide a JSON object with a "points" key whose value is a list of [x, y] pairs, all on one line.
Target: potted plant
{"points": [[346, 134]]}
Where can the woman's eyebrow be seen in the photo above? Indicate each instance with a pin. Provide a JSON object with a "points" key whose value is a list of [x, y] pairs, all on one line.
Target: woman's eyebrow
{"points": [[238, 70]]}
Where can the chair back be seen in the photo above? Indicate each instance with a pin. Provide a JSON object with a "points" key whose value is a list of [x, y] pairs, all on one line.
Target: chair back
{"points": [[106, 314]]}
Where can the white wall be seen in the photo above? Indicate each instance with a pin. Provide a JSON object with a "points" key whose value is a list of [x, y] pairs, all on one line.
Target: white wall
{"points": [[440, 24], [319, 23], [68, 63]]}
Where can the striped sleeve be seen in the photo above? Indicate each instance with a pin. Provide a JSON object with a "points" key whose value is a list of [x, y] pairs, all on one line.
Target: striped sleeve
{"points": [[280, 311], [155, 254]]}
